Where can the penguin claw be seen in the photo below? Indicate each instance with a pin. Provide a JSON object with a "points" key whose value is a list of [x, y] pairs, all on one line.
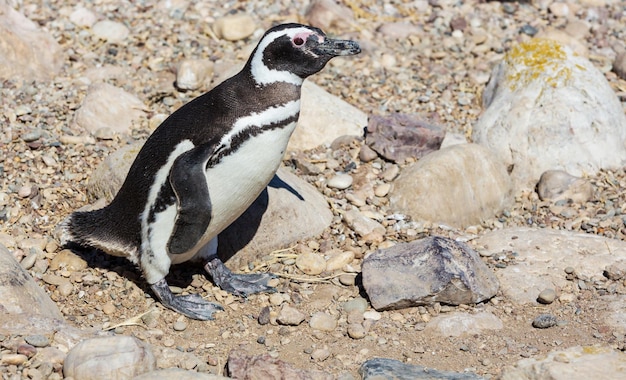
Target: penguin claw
{"points": [[236, 283], [191, 305]]}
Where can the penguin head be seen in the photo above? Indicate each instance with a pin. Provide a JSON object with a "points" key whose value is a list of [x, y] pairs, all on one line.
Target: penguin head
{"points": [[292, 52]]}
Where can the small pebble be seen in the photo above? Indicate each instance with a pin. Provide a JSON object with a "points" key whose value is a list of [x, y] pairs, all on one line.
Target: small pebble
{"points": [[180, 326], [290, 316], [323, 322], [320, 354], [264, 316], [372, 314], [382, 190], [356, 331], [544, 321], [547, 296], [367, 154], [359, 304], [27, 349], [37, 340], [340, 181], [311, 263]]}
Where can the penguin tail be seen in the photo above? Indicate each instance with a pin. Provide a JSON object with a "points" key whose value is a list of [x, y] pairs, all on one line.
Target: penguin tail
{"points": [[91, 229]]}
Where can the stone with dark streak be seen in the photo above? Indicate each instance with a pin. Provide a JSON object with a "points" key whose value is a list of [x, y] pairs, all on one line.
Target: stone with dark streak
{"points": [[397, 137], [434, 269]]}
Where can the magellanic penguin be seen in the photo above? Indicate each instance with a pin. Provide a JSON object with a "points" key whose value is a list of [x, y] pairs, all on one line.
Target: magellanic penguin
{"points": [[205, 165]]}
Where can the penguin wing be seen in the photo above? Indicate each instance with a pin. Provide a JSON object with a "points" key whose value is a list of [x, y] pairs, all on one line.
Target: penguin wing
{"points": [[188, 180]]}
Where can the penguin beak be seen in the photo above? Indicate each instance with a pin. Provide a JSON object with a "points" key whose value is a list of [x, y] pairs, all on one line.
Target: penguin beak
{"points": [[338, 47]]}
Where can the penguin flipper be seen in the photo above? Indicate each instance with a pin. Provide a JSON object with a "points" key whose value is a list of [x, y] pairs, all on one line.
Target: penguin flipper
{"points": [[187, 178]]}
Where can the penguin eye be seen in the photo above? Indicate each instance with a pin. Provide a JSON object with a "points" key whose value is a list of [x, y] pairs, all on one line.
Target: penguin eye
{"points": [[298, 41]]}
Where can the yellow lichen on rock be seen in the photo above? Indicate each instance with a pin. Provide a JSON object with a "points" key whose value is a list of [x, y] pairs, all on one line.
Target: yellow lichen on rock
{"points": [[528, 61]]}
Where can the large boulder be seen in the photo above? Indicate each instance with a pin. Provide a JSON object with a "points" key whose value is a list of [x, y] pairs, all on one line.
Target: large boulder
{"points": [[548, 108], [26, 52], [460, 185]]}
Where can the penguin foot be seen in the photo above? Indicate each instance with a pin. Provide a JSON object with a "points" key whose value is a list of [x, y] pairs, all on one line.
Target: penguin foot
{"points": [[236, 283], [192, 305]]}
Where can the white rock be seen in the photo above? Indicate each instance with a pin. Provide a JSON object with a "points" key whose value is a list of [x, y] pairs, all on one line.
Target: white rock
{"points": [[83, 17], [575, 363], [340, 181], [543, 255], [235, 27], [110, 31], [547, 108], [460, 185], [460, 323], [108, 106], [317, 128], [193, 73]]}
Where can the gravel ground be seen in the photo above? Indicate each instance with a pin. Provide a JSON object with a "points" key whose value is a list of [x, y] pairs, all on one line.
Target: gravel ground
{"points": [[437, 72]]}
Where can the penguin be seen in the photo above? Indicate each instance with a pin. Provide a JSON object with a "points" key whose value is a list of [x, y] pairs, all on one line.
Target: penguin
{"points": [[205, 165]]}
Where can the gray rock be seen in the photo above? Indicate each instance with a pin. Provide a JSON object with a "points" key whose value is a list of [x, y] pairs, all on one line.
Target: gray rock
{"points": [[178, 374], [397, 137], [458, 323], [363, 225], [575, 363], [547, 296], [171, 357], [316, 128], [558, 185], [26, 52], [382, 368], [107, 106], [434, 269], [536, 91], [290, 316], [243, 366], [19, 293], [113, 357], [460, 186], [543, 255], [544, 321], [340, 181]]}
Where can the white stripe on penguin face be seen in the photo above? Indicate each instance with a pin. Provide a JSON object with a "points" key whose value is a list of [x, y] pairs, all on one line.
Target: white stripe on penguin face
{"points": [[263, 75]]}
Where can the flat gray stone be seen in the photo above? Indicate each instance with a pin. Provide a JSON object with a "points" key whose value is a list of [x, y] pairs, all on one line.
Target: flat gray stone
{"points": [[425, 271], [381, 369], [543, 255], [178, 374], [460, 323]]}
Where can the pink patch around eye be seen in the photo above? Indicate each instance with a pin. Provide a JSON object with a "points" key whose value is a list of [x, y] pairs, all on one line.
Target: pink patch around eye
{"points": [[300, 38]]}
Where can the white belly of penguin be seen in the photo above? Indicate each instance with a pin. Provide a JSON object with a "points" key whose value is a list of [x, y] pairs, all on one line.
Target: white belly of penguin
{"points": [[238, 180]]}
